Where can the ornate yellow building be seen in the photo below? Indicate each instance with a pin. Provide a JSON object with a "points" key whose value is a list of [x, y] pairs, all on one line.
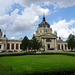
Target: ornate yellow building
{"points": [[6, 44], [43, 33], [48, 39]]}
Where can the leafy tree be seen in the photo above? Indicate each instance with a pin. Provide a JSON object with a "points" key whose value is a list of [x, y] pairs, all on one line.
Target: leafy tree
{"points": [[35, 43], [30, 45], [71, 41], [25, 43]]}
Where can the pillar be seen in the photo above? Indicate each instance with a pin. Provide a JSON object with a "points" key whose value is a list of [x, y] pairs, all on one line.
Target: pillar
{"points": [[14, 45], [10, 46], [64, 46], [45, 44], [19, 46]]}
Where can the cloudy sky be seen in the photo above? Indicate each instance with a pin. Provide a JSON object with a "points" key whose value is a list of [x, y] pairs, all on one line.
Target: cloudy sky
{"points": [[19, 18]]}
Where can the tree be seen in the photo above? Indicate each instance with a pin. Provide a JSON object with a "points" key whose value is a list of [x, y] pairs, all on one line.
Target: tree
{"points": [[30, 45], [35, 43], [71, 41], [25, 43]]}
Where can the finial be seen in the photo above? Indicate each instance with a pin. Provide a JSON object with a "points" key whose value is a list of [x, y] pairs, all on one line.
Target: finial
{"points": [[4, 35], [0, 30], [43, 16]]}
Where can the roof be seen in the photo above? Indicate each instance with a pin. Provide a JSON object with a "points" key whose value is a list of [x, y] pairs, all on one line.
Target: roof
{"points": [[44, 23]]}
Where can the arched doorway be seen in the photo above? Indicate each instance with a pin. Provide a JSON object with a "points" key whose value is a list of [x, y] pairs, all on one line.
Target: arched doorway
{"points": [[48, 46], [0, 46], [58, 46]]}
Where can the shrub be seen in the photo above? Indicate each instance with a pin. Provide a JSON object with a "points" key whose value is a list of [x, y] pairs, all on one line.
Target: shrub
{"points": [[34, 53]]}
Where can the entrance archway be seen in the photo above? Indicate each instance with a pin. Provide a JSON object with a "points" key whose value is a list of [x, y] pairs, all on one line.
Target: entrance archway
{"points": [[48, 46]]}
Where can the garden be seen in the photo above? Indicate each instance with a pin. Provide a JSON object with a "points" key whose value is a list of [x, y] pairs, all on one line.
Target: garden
{"points": [[55, 63]]}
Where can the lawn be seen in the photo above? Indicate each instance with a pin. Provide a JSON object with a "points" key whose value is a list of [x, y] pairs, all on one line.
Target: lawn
{"points": [[37, 63]]}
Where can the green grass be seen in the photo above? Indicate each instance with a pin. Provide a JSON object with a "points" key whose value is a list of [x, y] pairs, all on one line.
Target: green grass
{"points": [[37, 63]]}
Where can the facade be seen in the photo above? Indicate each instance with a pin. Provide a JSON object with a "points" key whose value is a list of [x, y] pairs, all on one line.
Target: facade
{"points": [[43, 34], [6, 44], [49, 39]]}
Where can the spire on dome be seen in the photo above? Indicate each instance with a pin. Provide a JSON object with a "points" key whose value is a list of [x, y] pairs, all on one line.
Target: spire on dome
{"points": [[0, 33], [44, 17], [0, 30], [44, 23]]}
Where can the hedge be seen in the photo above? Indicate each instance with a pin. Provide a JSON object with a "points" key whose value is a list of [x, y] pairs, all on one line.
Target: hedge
{"points": [[34, 53]]}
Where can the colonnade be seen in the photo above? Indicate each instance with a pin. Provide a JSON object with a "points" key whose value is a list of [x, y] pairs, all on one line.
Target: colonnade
{"points": [[13, 46], [62, 46]]}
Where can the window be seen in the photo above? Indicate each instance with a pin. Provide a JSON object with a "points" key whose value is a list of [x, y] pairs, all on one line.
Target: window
{"points": [[36, 32], [65, 46], [16, 46], [0, 46], [48, 40], [8, 46], [45, 30], [12, 46], [40, 30], [58, 46], [62, 46]]}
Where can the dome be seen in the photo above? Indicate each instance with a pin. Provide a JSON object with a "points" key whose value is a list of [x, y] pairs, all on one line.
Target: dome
{"points": [[44, 23]]}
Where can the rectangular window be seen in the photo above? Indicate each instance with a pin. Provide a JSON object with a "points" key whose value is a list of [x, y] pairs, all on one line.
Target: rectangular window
{"points": [[0, 46], [40, 30], [58, 46], [45, 30], [12, 47], [65, 46], [36, 32], [8, 46], [16, 46], [48, 40]]}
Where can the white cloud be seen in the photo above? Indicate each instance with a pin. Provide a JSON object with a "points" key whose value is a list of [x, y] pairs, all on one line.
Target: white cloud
{"points": [[64, 28], [12, 37], [28, 18], [30, 15], [5, 6], [25, 22], [55, 3], [65, 3], [4, 19]]}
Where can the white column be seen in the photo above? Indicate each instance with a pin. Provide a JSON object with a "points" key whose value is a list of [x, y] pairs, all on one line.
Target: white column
{"points": [[55, 44], [67, 47], [19, 46], [60, 46], [45, 44], [14, 45], [2, 47], [10, 46], [64, 46]]}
